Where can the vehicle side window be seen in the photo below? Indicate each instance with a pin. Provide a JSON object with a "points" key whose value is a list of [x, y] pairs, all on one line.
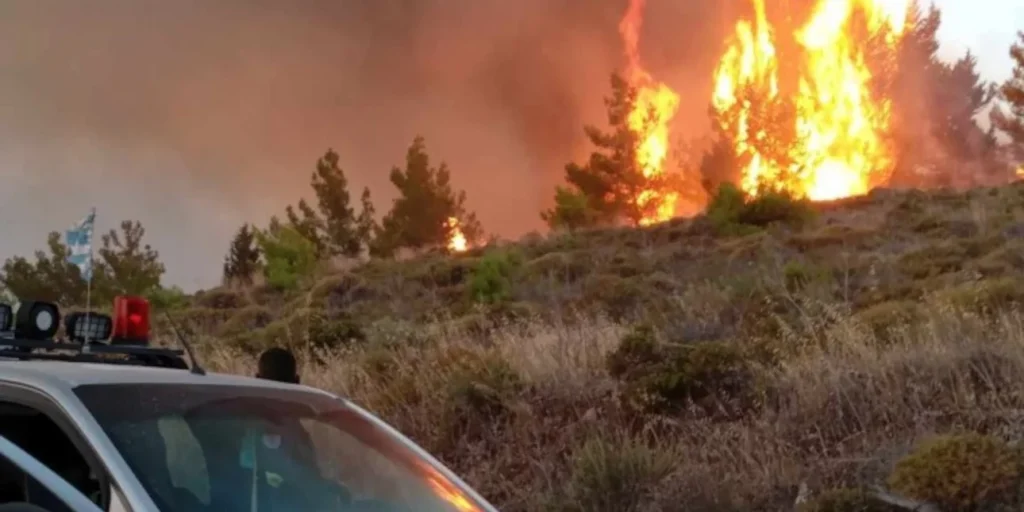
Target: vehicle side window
{"points": [[36, 433], [15, 484]]}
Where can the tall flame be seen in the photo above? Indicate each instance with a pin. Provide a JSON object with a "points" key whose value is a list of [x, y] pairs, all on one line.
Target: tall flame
{"points": [[839, 145], [456, 239], [653, 109]]}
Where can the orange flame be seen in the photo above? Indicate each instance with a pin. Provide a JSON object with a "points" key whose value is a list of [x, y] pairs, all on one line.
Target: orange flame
{"points": [[456, 240], [839, 145], [653, 109]]}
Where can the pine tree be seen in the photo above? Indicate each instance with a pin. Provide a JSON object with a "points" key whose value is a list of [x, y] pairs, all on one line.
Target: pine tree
{"points": [[1011, 120], [418, 218], [366, 223], [934, 105], [331, 188], [308, 224], [50, 278], [127, 266], [242, 260]]}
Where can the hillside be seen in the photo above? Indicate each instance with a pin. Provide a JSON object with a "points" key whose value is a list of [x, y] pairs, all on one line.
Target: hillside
{"points": [[693, 365]]}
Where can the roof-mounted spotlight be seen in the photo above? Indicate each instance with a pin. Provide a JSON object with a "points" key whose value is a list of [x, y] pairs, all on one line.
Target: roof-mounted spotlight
{"points": [[82, 327], [36, 321], [6, 318]]}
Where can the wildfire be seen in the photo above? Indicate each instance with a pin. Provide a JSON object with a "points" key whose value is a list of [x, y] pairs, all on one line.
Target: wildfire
{"points": [[836, 145], [456, 240], [654, 107]]}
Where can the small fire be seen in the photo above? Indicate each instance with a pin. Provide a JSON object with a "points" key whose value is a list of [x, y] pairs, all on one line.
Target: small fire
{"points": [[456, 240], [838, 145], [655, 106]]}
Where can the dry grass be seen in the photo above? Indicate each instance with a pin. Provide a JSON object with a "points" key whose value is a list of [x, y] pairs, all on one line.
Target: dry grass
{"points": [[553, 435]]}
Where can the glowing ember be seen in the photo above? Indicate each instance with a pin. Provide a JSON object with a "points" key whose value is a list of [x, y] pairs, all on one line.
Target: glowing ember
{"points": [[456, 240], [654, 107], [837, 145]]}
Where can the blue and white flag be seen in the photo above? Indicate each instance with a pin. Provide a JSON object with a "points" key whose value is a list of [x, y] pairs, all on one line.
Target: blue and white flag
{"points": [[79, 242]]}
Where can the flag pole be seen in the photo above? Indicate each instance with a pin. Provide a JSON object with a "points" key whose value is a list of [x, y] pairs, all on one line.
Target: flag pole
{"points": [[88, 281]]}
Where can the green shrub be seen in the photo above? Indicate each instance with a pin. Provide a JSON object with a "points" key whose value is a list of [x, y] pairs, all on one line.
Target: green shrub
{"points": [[968, 472], [797, 275], [221, 298], [886, 318], [732, 212], [245, 320], [331, 331], [715, 376], [289, 256], [986, 296], [616, 475], [481, 389], [491, 280], [846, 500], [164, 299]]}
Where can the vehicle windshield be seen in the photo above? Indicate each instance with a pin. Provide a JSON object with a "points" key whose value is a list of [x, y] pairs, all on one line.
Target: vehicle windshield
{"points": [[231, 448]]}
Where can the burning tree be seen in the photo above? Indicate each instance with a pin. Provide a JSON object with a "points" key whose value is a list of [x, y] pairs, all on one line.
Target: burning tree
{"points": [[626, 178], [421, 216], [827, 138], [604, 190]]}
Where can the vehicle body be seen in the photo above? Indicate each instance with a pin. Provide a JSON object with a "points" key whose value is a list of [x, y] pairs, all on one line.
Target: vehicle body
{"points": [[139, 438]]}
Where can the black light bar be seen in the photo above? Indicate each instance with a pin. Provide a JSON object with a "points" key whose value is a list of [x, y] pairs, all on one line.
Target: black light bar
{"points": [[6, 318]]}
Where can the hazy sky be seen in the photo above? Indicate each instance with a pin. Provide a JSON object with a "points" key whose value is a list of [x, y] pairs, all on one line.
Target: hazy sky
{"points": [[195, 116], [986, 27]]}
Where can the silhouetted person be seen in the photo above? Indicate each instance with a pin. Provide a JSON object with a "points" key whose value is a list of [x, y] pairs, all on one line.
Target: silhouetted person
{"points": [[278, 364]]}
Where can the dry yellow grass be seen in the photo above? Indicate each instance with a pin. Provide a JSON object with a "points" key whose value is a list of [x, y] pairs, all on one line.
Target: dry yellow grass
{"points": [[553, 435]]}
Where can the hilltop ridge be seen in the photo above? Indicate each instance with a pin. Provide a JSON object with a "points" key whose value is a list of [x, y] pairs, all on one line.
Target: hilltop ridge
{"points": [[868, 253]]}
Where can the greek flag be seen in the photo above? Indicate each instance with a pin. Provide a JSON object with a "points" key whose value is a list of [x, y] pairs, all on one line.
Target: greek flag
{"points": [[79, 242]]}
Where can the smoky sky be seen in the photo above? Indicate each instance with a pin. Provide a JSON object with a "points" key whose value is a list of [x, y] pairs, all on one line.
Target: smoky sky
{"points": [[195, 116]]}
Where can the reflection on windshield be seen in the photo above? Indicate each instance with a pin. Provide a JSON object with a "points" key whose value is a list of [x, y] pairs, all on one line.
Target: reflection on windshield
{"points": [[227, 449], [453, 496]]}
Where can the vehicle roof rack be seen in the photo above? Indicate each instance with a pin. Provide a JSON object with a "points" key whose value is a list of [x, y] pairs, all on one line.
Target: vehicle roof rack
{"points": [[49, 350]]}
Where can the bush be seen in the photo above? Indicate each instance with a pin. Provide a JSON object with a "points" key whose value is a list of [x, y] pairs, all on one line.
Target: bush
{"points": [[616, 475], [168, 298], [332, 331], [221, 298], [289, 256], [846, 500], [715, 376], [491, 280], [481, 390], [245, 320], [965, 472], [885, 319], [732, 212]]}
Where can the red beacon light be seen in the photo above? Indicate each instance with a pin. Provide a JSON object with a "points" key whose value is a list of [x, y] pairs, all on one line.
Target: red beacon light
{"points": [[131, 321]]}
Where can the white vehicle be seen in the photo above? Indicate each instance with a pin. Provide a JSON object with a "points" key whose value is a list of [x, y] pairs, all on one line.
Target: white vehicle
{"points": [[115, 425]]}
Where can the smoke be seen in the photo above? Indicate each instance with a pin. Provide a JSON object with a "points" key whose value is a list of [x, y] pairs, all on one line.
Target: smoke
{"points": [[195, 116]]}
